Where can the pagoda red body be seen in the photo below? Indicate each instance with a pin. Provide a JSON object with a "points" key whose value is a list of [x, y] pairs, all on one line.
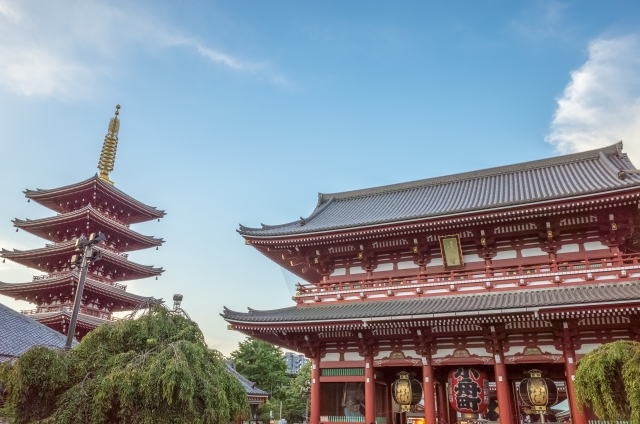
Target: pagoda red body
{"points": [[91, 206]]}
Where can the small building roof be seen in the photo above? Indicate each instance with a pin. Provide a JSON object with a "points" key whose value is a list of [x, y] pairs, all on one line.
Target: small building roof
{"points": [[248, 385], [578, 174], [463, 305], [20, 333]]}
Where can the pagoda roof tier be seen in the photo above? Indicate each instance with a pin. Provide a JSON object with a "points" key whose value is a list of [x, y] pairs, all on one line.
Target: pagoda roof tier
{"points": [[57, 319], [530, 300], [57, 257], [60, 286], [99, 193], [558, 178], [85, 221]]}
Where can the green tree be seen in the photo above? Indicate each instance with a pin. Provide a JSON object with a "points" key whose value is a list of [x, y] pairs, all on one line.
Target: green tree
{"points": [[263, 364], [608, 381], [295, 404], [154, 369]]}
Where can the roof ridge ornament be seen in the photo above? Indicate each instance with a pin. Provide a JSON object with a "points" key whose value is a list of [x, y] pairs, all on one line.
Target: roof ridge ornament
{"points": [[108, 155]]}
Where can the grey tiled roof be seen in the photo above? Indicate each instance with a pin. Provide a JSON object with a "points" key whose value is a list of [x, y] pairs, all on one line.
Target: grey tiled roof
{"points": [[525, 183], [452, 304], [19, 333], [246, 383]]}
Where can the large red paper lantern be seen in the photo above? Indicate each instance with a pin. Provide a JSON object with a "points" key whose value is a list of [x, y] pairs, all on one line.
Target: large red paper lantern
{"points": [[468, 390]]}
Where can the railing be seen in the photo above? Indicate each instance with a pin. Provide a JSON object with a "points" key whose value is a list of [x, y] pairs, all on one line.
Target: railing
{"points": [[347, 419], [110, 249], [607, 422], [340, 372], [95, 277], [341, 419], [490, 276], [68, 308]]}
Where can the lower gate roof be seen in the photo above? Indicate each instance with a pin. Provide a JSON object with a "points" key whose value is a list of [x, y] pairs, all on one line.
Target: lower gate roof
{"points": [[465, 305]]}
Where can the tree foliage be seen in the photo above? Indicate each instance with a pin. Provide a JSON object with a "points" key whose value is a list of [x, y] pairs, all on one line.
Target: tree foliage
{"points": [[263, 364], [608, 381], [295, 404], [155, 369]]}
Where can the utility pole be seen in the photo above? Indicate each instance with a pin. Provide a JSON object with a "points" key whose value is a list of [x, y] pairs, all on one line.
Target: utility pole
{"points": [[306, 392], [88, 256]]}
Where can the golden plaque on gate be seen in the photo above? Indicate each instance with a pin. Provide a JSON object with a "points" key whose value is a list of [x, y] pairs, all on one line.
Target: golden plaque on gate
{"points": [[451, 251]]}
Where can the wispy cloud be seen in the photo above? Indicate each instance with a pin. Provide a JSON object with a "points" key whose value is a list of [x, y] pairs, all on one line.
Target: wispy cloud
{"points": [[541, 20], [67, 47], [601, 104]]}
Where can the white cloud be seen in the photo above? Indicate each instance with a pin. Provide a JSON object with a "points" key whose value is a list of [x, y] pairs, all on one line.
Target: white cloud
{"points": [[601, 104], [68, 47]]}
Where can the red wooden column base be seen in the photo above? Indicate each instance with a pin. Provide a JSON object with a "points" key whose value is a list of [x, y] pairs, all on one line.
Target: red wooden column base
{"points": [[502, 388], [570, 370], [314, 415], [369, 391], [429, 393]]}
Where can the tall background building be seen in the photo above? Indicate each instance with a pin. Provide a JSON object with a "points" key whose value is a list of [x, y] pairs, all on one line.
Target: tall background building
{"points": [[294, 362]]}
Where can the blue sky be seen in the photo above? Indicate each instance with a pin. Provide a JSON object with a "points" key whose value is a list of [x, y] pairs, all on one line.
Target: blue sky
{"points": [[242, 111]]}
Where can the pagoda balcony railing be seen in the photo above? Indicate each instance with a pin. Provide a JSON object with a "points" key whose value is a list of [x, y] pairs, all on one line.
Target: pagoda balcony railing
{"points": [[605, 268], [68, 308], [95, 277], [102, 247]]}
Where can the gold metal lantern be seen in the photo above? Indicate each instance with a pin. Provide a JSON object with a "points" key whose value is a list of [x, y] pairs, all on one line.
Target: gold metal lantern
{"points": [[537, 393], [406, 391]]}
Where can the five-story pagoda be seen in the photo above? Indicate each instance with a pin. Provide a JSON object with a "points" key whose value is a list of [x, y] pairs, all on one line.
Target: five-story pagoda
{"points": [[91, 206]]}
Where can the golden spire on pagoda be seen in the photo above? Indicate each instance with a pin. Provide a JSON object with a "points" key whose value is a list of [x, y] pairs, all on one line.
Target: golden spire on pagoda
{"points": [[109, 147]]}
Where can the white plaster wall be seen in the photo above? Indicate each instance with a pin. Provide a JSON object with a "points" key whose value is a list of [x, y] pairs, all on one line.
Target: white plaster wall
{"points": [[587, 347], [594, 245], [534, 251], [384, 267], [550, 349], [472, 258], [352, 356], [407, 265], [334, 356], [569, 248], [435, 262], [505, 254], [441, 353], [339, 271]]}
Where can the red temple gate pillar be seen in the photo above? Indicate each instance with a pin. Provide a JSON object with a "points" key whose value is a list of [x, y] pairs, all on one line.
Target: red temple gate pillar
{"points": [[314, 416], [369, 391], [443, 405], [502, 383], [429, 393], [577, 416]]}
